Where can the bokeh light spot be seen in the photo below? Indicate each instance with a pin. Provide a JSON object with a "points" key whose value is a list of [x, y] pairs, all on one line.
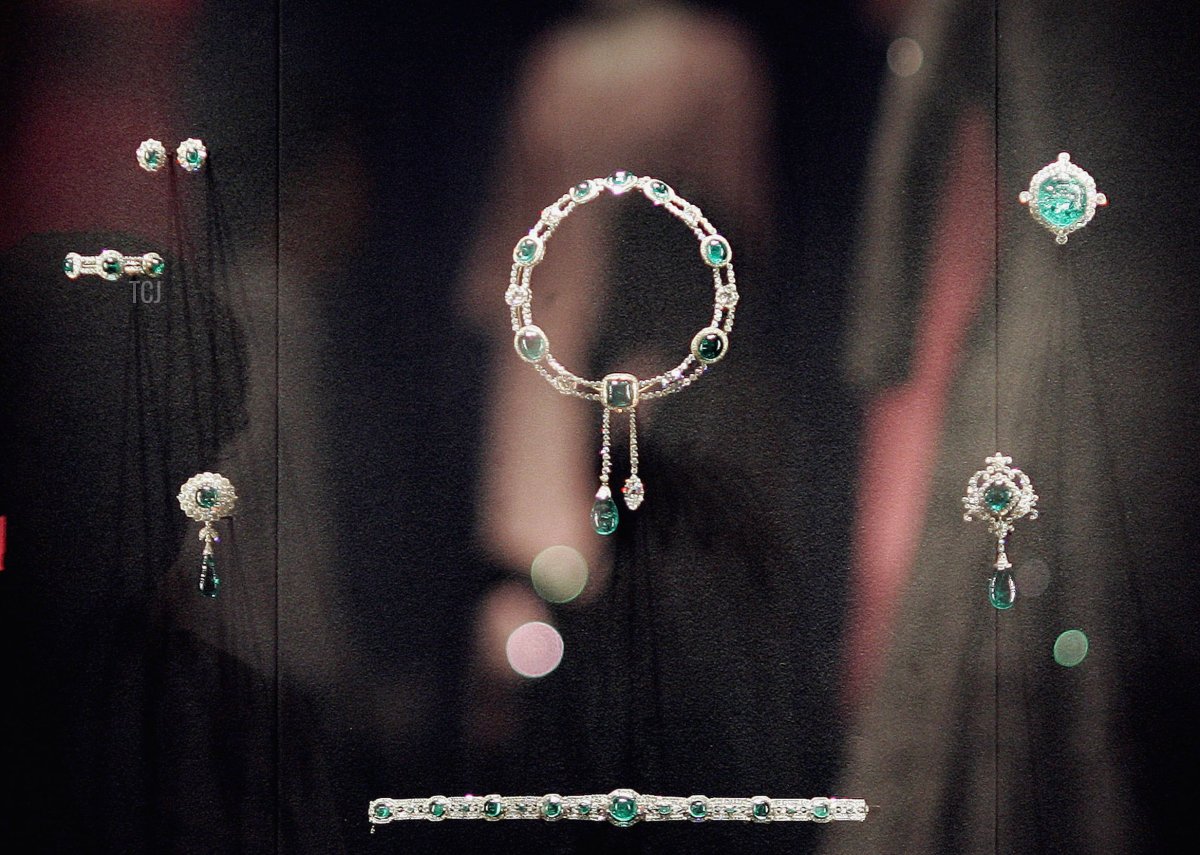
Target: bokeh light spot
{"points": [[559, 574], [1033, 577], [904, 57], [534, 649], [1070, 648]]}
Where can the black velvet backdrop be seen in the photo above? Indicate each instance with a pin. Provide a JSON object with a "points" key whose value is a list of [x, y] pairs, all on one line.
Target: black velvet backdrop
{"points": [[312, 345]]}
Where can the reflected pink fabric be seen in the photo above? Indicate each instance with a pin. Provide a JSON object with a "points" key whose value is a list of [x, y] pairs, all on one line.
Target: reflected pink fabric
{"points": [[902, 425]]}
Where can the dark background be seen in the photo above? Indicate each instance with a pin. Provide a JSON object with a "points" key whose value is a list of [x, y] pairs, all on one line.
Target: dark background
{"points": [[312, 345]]}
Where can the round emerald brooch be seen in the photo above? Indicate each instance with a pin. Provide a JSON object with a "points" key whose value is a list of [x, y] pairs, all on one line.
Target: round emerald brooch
{"points": [[1062, 197]]}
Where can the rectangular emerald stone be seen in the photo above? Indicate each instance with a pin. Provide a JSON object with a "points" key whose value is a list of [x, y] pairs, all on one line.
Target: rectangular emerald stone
{"points": [[619, 391]]}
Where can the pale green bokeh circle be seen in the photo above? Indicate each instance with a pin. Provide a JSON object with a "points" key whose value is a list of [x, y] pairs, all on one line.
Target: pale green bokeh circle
{"points": [[1070, 648], [559, 574]]}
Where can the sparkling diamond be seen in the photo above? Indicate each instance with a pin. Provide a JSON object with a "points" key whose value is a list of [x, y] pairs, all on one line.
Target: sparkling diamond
{"points": [[727, 296], [634, 492], [517, 295]]}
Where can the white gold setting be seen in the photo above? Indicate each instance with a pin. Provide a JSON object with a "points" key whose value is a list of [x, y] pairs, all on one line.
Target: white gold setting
{"points": [[716, 253]]}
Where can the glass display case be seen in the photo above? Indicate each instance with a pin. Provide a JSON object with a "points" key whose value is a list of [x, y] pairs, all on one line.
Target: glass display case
{"points": [[419, 602]]}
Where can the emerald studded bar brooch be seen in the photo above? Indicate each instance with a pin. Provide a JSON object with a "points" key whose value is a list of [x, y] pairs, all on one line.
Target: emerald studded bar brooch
{"points": [[620, 392], [621, 808]]}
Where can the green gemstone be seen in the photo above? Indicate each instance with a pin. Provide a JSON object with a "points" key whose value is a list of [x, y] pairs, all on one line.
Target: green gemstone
{"points": [[710, 347], [623, 809], [581, 190], [698, 809], [1002, 589], [111, 266], [820, 810], [665, 810], [621, 178], [527, 250], [731, 811], [619, 393], [660, 190], [493, 808], [192, 156], [383, 811], [531, 343], [438, 809], [207, 497], [716, 251], [552, 808], [209, 582], [151, 158], [1062, 200], [157, 266], [68, 265], [761, 810], [997, 497], [584, 810], [791, 811], [604, 516]]}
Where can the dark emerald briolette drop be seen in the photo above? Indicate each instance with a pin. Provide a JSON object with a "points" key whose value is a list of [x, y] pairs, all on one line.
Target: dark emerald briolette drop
{"points": [[209, 581]]}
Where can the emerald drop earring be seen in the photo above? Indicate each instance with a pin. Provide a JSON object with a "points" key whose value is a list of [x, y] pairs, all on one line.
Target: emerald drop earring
{"points": [[206, 498]]}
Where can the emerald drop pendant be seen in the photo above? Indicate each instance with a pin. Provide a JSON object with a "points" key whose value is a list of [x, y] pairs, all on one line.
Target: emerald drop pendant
{"points": [[604, 512], [209, 581], [1002, 590]]}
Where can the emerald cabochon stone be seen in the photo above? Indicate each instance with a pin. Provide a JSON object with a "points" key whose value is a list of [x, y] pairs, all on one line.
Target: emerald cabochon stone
{"points": [[207, 497], [531, 343], [697, 809], [1062, 200], [623, 809], [715, 251], [526, 251]]}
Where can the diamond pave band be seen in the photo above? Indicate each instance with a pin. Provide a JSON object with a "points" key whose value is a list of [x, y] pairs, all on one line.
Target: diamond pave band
{"points": [[620, 807]]}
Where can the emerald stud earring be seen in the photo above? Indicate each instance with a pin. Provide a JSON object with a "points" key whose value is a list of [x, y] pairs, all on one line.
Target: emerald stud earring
{"points": [[206, 498], [999, 496], [1062, 197], [151, 156], [191, 155]]}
